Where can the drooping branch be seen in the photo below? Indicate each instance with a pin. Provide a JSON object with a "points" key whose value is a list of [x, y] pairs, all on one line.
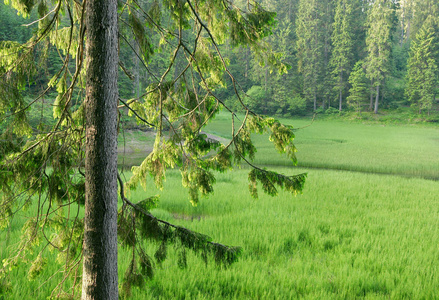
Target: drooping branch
{"points": [[190, 239], [136, 114]]}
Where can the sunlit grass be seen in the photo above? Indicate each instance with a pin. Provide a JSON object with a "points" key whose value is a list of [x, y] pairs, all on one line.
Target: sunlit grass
{"points": [[407, 150], [350, 235]]}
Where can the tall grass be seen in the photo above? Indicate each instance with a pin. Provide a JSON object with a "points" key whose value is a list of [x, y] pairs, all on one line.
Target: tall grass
{"points": [[407, 150], [350, 235]]}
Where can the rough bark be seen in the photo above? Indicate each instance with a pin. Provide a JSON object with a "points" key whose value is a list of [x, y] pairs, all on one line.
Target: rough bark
{"points": [[376, 99], [100, 232]]}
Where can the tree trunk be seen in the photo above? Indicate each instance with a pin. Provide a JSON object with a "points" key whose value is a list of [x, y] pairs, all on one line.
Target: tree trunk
{"points": [[371, 99], [315, 100], [327, 34], [136, 83], [376, 99], [266, 79], [340, 100], [247, 64], [177, 64], [100, 225], [341, 90]]}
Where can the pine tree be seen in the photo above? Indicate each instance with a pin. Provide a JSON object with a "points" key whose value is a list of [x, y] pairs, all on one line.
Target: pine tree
{"points": [[99, 276], [423, 68], [406, 11], [342, 47], [359, 29], [423, 9], [358, 91], [287, 88], [44, 167], [310, 48], [379, 44]]}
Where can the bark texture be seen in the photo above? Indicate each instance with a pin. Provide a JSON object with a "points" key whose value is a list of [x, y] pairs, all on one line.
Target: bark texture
{"points": [[376, 99], [100, 232]]}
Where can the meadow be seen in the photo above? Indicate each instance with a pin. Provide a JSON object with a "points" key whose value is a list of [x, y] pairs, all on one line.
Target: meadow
{"points": [[385, 148], [365, 227]]}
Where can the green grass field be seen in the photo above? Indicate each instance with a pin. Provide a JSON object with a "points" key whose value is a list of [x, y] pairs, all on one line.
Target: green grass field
{"points": [[408, 150], [365, 227], [349, 235]]}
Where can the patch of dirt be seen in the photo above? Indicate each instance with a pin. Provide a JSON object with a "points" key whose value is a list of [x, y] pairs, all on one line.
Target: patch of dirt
{"points": [[131, 145], [180, 216], [222, 140]]}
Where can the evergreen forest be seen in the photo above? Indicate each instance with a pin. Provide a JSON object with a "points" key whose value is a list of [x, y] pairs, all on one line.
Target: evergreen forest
{"points": [[162, 177], [343, 55]]}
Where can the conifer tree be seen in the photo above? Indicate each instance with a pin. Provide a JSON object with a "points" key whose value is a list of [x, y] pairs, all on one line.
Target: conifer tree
{"points": [[423, 9], [44, 168], [358, 91], [359, 16], [310, 48], [423, 68], [406, 14], [287, 88], [379, 44], [342, 47], [99, 276]]}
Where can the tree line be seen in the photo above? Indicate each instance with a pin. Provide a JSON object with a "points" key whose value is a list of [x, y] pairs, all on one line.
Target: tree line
{"points": [[346, 54], [352, 54]]}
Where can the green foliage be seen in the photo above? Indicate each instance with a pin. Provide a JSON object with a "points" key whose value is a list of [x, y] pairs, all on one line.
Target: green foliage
{"points": [[173, 81], [297, 105], [342, 42], [255, 96], [310, 45], [358, 93], [139, 30], [136, 224], [335, 219], [270, 180], [23, 7], [36, 267], [10, 29], [378, 42], [252, 26], [157, 38], [394, 92], [423, 69]]}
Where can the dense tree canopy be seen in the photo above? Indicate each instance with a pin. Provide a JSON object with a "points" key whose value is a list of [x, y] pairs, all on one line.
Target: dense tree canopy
{"points": [[179, 64], [321, 42], [54, 167], [312, 64], [423, 68], [342, 40]]}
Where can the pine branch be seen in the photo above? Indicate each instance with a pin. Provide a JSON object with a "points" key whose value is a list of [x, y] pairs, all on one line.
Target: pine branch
{"points": [[195, 241], [135, 113]]}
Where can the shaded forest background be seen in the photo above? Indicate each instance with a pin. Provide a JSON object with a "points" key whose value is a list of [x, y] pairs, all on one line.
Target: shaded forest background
{"points": [[344, 55], [341, 57]]}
